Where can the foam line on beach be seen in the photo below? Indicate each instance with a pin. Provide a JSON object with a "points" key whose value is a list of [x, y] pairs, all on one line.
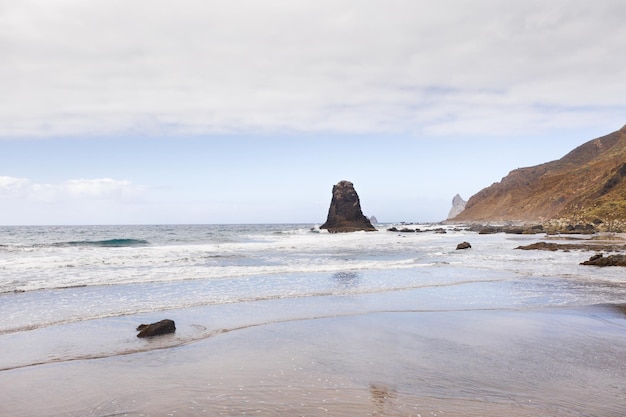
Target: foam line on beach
{"points": [[203, 303], [595, 312]]}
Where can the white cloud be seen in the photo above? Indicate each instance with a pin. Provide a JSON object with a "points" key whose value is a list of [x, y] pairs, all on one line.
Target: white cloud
{"points": [[79, 201], [80, 189], [103, 67], [12, 187]]}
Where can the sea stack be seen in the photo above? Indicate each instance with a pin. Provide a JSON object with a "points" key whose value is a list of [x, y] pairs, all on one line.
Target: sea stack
{"points": [[344, 214], [458, 205]]}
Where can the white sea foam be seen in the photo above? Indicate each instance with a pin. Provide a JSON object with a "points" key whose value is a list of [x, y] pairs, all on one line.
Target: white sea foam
{"points": [[57, 275]]}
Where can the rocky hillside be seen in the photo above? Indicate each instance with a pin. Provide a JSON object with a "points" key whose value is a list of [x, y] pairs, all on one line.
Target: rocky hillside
{"points": [[586, 185]]}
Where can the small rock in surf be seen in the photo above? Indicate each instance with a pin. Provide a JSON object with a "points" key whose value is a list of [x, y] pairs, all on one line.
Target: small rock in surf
{"points": [[463, 245], [156, 329]]}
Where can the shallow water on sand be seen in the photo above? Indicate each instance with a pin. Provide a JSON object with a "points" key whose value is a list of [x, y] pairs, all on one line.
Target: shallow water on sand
{"points": [[500, 362]]}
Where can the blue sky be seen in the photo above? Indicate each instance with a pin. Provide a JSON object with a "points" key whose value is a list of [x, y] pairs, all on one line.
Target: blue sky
{"points": [[249, 112]]}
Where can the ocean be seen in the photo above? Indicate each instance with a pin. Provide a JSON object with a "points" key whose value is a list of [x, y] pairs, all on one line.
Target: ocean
{"points": [[71, 296]]}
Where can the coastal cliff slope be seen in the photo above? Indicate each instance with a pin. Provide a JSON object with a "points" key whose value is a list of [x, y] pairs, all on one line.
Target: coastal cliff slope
{"points": [[587, 184]]}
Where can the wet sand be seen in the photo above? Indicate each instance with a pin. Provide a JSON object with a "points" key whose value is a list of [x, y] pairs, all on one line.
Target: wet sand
{"points": [[502, 362]]}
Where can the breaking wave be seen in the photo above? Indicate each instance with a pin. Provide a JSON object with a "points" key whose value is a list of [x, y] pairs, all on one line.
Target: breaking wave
{"points": [[113, 243]]}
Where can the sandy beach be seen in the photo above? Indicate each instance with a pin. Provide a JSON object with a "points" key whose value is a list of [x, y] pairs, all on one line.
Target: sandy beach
{"points": [[381, 362]]}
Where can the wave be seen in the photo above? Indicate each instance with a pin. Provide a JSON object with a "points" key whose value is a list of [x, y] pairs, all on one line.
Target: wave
{"points": [[109, 243], [106, 243]]}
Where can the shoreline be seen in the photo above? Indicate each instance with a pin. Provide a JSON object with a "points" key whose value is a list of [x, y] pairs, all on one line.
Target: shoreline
{"points": [[554, 361]]}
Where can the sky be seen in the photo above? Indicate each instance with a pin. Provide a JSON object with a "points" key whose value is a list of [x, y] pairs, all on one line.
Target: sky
{"points": [[165, 112]]}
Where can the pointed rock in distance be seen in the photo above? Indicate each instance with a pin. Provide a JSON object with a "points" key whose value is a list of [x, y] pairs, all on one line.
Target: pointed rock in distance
{"points": [[458, 205]]}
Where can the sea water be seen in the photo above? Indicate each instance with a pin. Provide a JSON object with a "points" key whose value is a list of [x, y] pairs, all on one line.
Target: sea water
{"points": [[52, 275], [67, 292]]}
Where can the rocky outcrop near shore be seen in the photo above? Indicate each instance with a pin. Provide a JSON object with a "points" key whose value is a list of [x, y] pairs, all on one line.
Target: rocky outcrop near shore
{"points": [[588, 185], [345, 214], [611, 260], [598, 259], [586, 245]]}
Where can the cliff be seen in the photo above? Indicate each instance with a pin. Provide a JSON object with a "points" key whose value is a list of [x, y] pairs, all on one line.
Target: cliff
{"points": [[587, 184]]}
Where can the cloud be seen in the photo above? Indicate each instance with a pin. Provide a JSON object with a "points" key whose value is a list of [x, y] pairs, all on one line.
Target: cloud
{"points": [[188, 67], [100, 189]]}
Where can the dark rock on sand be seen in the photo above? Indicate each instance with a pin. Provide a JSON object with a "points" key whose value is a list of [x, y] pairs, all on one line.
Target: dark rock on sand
{"points": [[344, 214], [155, 329], [611, 260], [463, 245]]}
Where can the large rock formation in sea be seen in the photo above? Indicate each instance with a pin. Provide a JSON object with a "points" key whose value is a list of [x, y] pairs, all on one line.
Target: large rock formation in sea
{"points": [[458, 205], [586, 185], [344, 214]]}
